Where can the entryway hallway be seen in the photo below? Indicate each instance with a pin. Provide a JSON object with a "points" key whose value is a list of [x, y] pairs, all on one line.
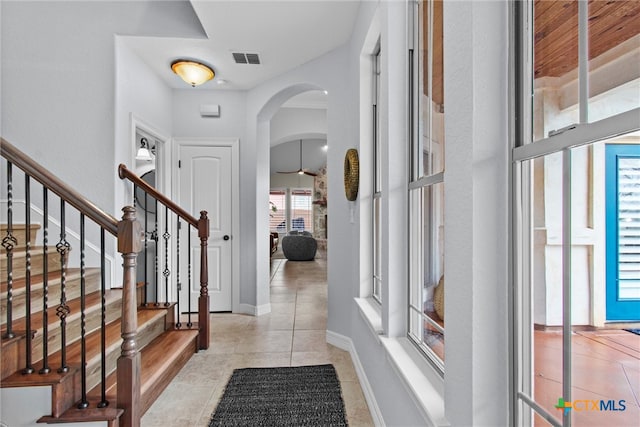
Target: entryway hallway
{"points": [[293, 334]]}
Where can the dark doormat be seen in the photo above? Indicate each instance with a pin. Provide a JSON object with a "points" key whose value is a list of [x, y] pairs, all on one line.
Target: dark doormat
{"points": [[633, 331], [287, 396]]}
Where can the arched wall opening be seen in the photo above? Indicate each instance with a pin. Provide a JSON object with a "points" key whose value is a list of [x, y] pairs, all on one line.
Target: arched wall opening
{"points": [[263, 145]]}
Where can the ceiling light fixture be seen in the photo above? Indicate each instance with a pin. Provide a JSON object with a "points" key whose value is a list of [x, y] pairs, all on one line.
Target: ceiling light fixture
{"points": [[193, 72]]}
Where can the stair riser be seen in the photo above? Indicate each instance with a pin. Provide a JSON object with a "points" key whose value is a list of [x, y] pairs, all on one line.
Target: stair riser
{"points": [[147, 399], [19, 263], [92, 284]]}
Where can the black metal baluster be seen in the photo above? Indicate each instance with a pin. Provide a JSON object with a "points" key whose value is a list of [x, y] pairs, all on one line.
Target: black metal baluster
{"points": [[63, 310], [189, 322], [103, 322], [135, 187], [166, 272], [146, 246], [178, 285], [156, 234], [45, 282], [83, 320], [27, 215], [8, 243]]}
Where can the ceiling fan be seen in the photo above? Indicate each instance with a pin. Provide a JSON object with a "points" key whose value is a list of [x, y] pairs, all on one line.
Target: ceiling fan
{"points": [[301, 171]]}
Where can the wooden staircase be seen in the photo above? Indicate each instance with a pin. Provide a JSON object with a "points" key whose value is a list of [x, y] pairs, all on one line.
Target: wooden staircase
{"points": [[106, 352], [163, 349]]}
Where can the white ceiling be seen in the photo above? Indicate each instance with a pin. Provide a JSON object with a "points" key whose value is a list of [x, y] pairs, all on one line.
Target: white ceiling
{"points": [[285, 34]]}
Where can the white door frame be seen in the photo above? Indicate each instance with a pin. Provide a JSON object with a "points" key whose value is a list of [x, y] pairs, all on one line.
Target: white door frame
{"points": [[234, 143], [163, 159], [162, 168]]}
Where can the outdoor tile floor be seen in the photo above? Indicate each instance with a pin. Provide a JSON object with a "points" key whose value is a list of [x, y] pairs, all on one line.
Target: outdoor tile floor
{"points": [[606, 366], [293, 334]]}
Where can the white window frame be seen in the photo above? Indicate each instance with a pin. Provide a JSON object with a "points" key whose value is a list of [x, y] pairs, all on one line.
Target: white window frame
{"points": [[418, 181], [377, 195], [522, 150]]}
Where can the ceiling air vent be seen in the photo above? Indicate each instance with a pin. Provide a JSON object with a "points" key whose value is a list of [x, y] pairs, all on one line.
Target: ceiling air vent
{"points": [[246, 58], [253, 58]]}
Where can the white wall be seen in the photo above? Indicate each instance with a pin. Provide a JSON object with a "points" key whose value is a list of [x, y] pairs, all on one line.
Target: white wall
{"points": [[143, 96], [59, 81], [290, 181], [476, 203], [262, 104], [290, 123], [188, 122], [476, 206]]}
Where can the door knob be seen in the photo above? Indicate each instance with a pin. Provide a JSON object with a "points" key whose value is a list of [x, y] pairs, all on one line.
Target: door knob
{"points": [[226, 237]]}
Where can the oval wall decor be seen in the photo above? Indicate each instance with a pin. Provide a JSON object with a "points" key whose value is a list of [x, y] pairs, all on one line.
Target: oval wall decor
{"points": [[351, 174]]}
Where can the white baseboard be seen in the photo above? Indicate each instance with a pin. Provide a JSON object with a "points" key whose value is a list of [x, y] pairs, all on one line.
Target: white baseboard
{"points": [[253, 310], [346, 344]]}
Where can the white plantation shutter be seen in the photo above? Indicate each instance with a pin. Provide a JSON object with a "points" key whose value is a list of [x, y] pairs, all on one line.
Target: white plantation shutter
{"points": [[629, 228]]}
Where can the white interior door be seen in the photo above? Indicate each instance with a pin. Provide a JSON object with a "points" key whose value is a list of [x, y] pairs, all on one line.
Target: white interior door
{"points": [[205, 183]]}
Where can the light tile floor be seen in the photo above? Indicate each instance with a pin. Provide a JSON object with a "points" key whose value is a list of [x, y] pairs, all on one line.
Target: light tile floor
{"points": [[293, 334]]}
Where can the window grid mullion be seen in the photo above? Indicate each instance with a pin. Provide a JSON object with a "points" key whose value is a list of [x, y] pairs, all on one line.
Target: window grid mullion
{"points": [[566, 283]]}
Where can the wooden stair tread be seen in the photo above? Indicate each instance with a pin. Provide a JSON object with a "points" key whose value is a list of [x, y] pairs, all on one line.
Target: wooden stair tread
{"points": [[113, 338], [93, 413], [92, 302], [20, 252], [37, 280], [93, 340], [31, 380]]}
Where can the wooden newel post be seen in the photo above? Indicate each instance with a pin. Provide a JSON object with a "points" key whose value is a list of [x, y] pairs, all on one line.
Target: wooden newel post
{"points": [[129, 244], [203, 300]]}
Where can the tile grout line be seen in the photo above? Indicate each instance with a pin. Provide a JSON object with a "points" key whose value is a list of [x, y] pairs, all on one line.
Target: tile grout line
{"points": [[630, 386], [293, 330]]}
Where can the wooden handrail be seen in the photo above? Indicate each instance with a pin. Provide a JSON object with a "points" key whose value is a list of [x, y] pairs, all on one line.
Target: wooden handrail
{"points": [[125, 173], [53, 183]]}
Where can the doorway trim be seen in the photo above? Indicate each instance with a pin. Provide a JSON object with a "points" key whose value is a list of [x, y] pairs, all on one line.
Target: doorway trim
{"points": [[163, 158], [234, 144]]}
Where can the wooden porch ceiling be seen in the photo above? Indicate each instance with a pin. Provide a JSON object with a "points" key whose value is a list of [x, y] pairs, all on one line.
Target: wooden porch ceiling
{"points": [[556, 31]]}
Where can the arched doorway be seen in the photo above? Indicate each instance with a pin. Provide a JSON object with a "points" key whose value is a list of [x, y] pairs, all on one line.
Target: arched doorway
{"points": [[285, 120]]}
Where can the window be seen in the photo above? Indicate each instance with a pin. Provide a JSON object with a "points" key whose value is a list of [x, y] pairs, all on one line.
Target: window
{"points": [[278, 211], [426, 187], [291, 209], [574, 164], [377, 180], [301, 210]]}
